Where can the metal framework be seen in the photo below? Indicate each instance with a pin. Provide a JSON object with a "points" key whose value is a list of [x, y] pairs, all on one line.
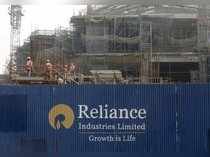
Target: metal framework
{"points": [[15, 12], [146, 48]]}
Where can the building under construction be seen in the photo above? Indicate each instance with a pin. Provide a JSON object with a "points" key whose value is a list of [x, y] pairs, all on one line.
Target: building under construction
{"points": [[148, 44], [131, 44]]}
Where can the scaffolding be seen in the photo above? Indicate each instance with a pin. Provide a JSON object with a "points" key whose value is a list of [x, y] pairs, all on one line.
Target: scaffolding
{"points": [[144, 48], [106, 38], [158, 43], [15, 12]]}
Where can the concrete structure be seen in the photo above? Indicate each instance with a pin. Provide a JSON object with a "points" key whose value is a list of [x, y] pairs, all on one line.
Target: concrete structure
{"points": [[168, 43]]}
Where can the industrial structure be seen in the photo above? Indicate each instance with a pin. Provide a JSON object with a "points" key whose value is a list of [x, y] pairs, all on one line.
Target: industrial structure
{"points": [[117, 44], [126, 44], [151, 44], [15, 12]]}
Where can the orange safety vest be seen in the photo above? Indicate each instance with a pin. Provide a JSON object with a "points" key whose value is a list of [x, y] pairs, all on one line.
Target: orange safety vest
{"points": [[49, 66], [29, 65], [72, 67]]}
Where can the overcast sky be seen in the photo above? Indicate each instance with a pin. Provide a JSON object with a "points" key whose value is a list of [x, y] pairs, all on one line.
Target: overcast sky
{"points": [[35, 17]]}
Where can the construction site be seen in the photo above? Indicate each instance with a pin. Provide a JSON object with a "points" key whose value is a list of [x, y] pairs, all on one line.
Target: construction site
{"points": [[116, 44], [120, 77]]}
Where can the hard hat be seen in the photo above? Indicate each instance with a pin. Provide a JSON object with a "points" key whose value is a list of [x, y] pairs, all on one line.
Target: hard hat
{"points": [[47, 60], [28, 58]]}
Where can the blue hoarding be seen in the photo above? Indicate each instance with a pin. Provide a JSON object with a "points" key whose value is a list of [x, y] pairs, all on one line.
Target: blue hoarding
{"points": [[104, 118]]}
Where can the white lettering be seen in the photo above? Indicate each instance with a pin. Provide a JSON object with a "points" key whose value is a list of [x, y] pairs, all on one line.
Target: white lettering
{"points": [[105, 112], [83, 111], [142, 114]]}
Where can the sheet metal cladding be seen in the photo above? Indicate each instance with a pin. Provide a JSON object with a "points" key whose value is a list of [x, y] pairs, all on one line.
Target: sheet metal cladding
{"points": [[167, 119]]}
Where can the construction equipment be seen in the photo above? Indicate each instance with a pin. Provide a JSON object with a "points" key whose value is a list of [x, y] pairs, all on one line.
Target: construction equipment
{"points": [[15, 12]]}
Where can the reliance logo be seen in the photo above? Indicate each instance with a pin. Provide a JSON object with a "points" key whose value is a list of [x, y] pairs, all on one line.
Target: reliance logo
{"points": [[62, 116], [61, 111]]}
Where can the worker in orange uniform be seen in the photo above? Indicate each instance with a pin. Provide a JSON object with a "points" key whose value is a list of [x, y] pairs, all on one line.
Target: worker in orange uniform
{"points": [[72, 70], [49, 69], [29, 66], [66, 72]]}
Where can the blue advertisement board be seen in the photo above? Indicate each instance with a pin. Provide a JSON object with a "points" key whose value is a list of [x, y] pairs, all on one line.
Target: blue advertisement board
{"points": [[137, 119]]}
